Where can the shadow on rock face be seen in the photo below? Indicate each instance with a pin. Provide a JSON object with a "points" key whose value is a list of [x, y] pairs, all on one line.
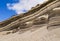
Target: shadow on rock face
{"points": [[54, 20], [42, 20], [52, 27]]}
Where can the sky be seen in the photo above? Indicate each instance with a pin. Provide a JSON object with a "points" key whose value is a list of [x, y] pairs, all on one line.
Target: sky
{"points": [[9, 8]]}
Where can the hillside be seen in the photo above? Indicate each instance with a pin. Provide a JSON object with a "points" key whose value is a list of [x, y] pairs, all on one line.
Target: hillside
{"points": [[42, 23]]}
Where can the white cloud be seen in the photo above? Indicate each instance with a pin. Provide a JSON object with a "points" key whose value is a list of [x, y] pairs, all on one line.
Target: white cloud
{"points": [[23, 5]]}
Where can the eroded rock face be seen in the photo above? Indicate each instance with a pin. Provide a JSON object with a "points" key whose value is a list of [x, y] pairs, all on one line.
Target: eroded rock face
{"points": [[54, 19], [41, 20], [37, 28]]}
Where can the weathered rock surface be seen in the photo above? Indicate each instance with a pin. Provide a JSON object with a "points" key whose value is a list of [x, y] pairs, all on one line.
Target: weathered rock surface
{"points": [[42, 23]]}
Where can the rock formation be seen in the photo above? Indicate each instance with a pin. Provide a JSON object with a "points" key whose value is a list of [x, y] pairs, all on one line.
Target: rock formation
{"points": [[42, 20], [15, 21]]}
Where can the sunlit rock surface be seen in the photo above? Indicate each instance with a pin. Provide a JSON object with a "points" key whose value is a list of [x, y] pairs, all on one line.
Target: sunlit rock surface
{"points": [[42, 25]]}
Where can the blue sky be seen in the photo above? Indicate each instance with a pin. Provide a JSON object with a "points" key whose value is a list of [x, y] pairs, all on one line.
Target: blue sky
{"points": [[9, 8], [5, 13]]}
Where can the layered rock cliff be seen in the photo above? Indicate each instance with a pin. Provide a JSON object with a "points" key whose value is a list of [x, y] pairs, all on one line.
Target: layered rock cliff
{"points": [[39, 24]]}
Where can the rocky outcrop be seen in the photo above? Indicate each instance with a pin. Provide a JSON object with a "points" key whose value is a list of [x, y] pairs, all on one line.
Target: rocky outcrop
{"points": [[31, 15], [54, 19], [43, 24], [14, 18]]}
